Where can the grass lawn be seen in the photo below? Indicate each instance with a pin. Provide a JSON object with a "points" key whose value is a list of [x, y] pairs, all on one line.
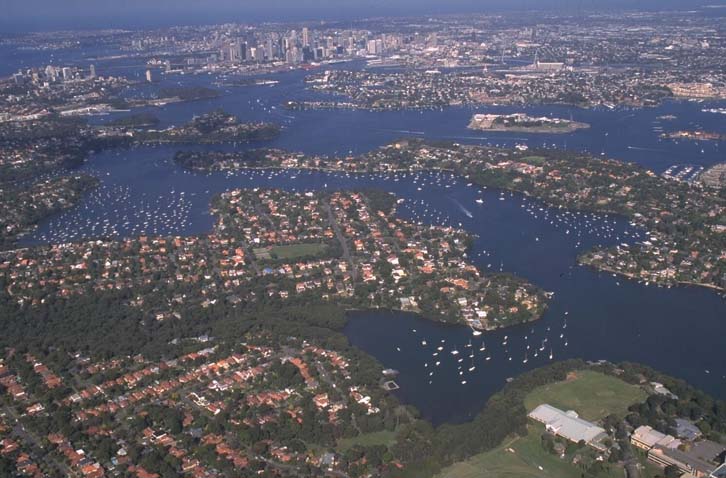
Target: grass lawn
{"points": [[290, 251], [520, 458], [384, 437], [535, 159], [592, 395]]}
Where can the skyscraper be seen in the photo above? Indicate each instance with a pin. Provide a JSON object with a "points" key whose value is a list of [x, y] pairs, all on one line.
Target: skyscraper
{"points": [[148, 76], [269, 52], [93, 71], [305, 37]]}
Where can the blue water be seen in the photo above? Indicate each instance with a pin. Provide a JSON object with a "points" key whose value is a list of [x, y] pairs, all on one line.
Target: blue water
{"points": [[679, 331]]}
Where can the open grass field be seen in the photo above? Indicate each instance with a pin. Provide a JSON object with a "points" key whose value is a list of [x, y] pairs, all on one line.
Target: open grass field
{"points": [[520, 458], [592, 395], [535, 159], [384, 437], [290, 251]]}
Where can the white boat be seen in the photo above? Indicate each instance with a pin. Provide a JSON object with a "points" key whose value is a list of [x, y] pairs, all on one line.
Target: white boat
{"points": [[454, 352]]}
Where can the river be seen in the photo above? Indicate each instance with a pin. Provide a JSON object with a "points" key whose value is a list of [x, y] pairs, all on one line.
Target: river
{"points": [[592, 315]]}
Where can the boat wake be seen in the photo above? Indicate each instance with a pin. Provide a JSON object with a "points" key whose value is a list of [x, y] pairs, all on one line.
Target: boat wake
{"points": [[463, 209]]}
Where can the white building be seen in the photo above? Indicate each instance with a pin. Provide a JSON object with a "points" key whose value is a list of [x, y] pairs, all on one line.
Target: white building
{"points": [[568, 425], [645, 438]]}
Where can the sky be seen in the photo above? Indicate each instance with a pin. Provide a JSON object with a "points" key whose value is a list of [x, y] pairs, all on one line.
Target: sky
{"points": [[24, 15]]}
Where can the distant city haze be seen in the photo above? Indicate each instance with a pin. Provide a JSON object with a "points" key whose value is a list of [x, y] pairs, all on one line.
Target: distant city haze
{"points": [[31, 15]]}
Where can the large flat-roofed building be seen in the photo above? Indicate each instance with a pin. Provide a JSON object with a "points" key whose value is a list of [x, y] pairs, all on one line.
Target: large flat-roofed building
{"points": [[568, 425], [700, 459], [719, 472], [645, 438], [694, 458]]}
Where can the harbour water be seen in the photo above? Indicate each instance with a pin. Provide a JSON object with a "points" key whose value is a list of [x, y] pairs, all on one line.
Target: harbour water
{"points": [[592, 315]]}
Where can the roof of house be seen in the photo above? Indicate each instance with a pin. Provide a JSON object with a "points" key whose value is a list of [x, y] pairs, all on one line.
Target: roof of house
{"points": [[650, 437], [686, 429]]}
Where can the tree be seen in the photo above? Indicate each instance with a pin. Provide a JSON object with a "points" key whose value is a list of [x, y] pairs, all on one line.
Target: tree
{"points": [[672, 471]]}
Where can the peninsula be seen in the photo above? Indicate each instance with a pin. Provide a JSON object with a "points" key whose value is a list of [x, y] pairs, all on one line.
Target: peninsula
{"points": [[345, 248], [686, 224]]}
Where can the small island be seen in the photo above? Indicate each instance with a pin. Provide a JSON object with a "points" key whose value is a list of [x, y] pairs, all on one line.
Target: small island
{"points": [[694, 135], [522, 123]]}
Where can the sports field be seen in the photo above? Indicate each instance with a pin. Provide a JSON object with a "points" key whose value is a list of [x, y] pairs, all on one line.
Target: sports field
{"points": [[384, 437], [290, 251], [592, 395]]}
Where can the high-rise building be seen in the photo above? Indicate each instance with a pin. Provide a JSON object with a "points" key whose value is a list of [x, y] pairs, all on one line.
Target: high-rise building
{"points": [[149, 78], [305, 37], [374, 47], [93, 71], [371, 47], [51, 73], [233, 53]]}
